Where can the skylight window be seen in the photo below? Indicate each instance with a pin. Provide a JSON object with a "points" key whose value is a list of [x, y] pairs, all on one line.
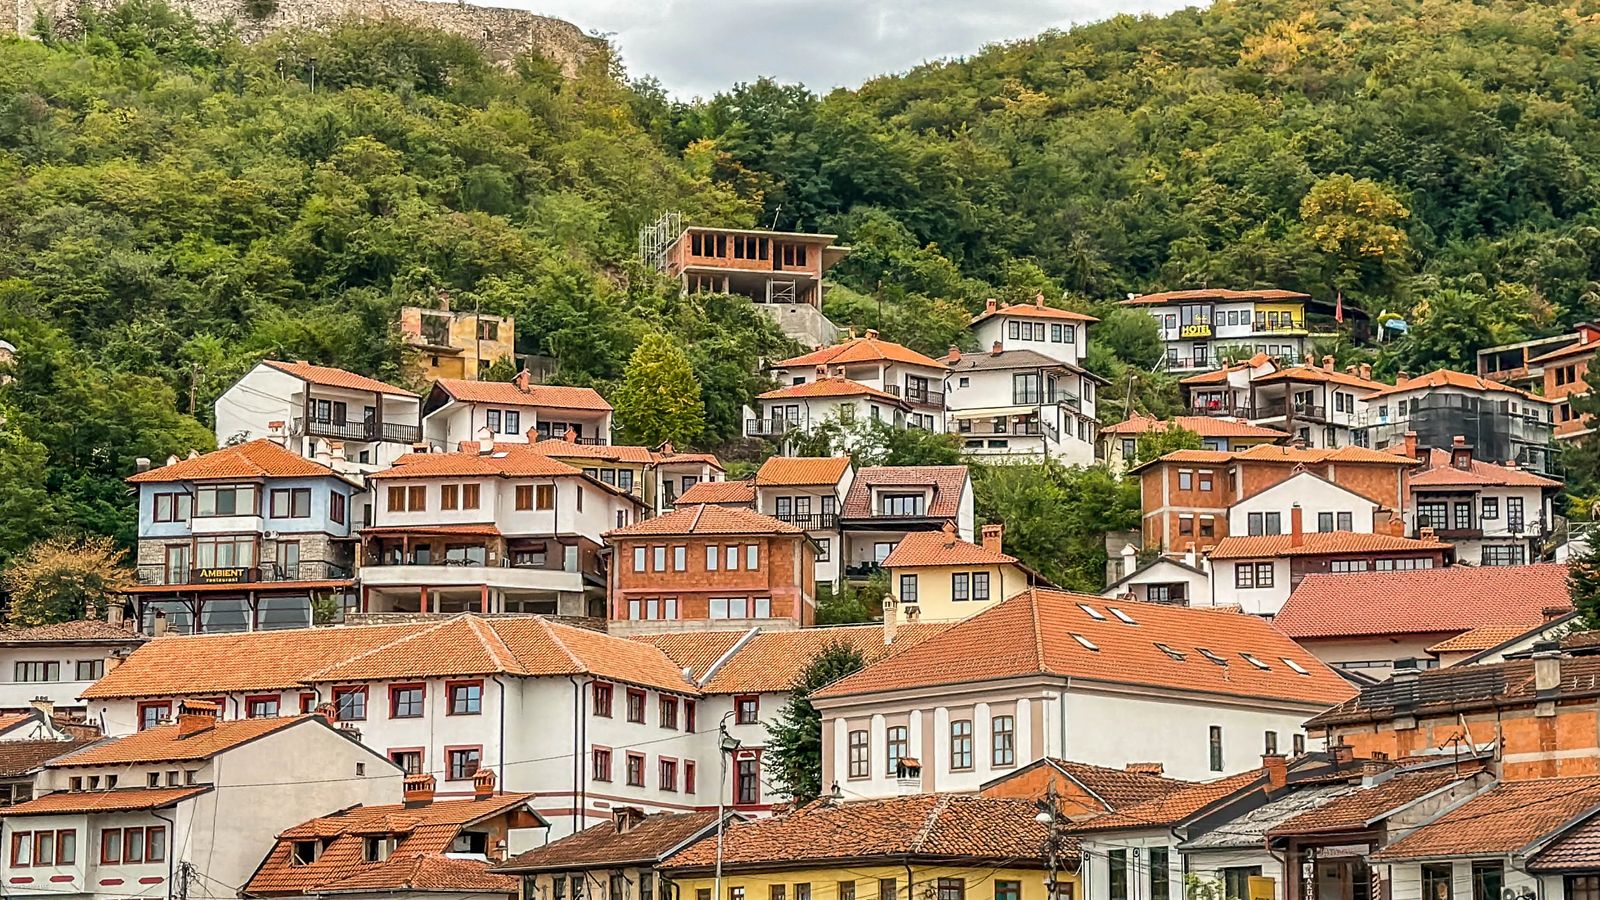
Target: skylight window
{"points": [[1087, 644], [1124, 617], [1212, 656], [1171, 652], [1094, 614], [500, 454], [1256, 662], [1294, 665]]}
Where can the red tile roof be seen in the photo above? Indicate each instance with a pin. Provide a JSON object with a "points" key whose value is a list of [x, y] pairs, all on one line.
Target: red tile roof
{"points": [[165, 743], [1174, 806], [9, 721], [706, 519], [507, 393], [1116, 788], [1439, 378], [1204, 426], [1318, 543], [741, 492], [256, 459], [1577, 349], [1277, 453], [1502, 821], [947, 483], [518, 463], [860, 350], [1480, 639], [602, 846], [1462, 689], [560, 449], [1220, 376], [940, 548], [1160, 297], [1035, 310], [1355, 810], [1034, 633], [18, 758], [927, 826], [1438, 472], [327, 376], [1576, 851], [772, 661], [418, 862], [82, 802], [1317, 375], [802, 471], [1448, 600], [204, 665], [96, 630], [829, 387]]}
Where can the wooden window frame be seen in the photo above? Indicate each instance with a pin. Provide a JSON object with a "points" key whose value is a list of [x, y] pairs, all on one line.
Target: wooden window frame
{"points": [[450, 696], [394, 699], [451, 750]]}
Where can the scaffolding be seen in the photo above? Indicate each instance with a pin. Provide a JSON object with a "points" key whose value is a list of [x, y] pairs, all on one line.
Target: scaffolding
{"points": [[657, 238]]}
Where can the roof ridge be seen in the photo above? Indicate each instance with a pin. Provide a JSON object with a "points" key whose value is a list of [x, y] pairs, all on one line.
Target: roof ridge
{"points": [[550, 632], [426, 629], [1038, 631], [497, 648], [941, 801]]}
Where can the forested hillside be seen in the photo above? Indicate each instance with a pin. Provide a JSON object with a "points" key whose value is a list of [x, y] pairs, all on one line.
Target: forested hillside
{"points": [[177, 205]]}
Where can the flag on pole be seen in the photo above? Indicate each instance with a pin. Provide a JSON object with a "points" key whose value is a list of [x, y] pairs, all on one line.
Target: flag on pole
{"points": [[1338, 307]]}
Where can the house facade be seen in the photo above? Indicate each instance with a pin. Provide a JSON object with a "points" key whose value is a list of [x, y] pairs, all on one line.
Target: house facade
{"points": [[1022, 402], [1494, 515], [884, 366], [934, 576], [1499, 422], [787, 412], [1061, 334], [1259, 572], [304, 404], [1562, 374], [885, 503], [457, 344], [49, 665], [616, 859], [656, 475], [249, 537], [808, 492], [1320, 406], [515, 411], [1202, 329], [1120, 442]]}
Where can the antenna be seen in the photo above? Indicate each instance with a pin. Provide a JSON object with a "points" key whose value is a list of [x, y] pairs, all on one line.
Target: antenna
{"points": [[775, 214]]}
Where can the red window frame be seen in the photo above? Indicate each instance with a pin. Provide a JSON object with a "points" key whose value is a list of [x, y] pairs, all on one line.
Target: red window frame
{"points": [[688, 776], [667, 711], [394, 699], [601, 698], [636, 694], [750, 756], [108, 858], [450, 696], [20, 839], [461, 748], [755, 709], [597, 756], [422, 756], [664, 780], [688, 716], [150, 834], [308, 702], [132, 837], [627, 769], [250, 700], [164, 705], [366, 701]]}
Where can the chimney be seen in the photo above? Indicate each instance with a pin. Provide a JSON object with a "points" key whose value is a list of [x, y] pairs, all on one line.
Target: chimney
{"points": [[991, 304], [1401, 377], [1366, 371], [418, 790], [322, 453], [142, 464], [954, 354], [195, 717], [1297, 534], [485, 441], [624, 818], [483, 784], [1411, 444], [533, 434], [1277, 766], [1145, 768], [996, 348], [1130, 560], [523, 379], [328, 711], [1460, 453], [193, 454], [872, 334], [991, 535], [570, 435], [908, 776], [336, 451], [45, 706], [1298, 443], [1427, 534], [276, 434], [888, 620], [158, 628], [115, 614], [1343, 754], [172, 459], [1327, 363], [1311, 361], [1189, 556], [1546, 666], [1038, 300]]}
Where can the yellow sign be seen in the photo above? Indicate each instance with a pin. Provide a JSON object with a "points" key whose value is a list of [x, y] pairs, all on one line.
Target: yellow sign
{"points": [[228, 575], [1195, 331], [1262, 888]]}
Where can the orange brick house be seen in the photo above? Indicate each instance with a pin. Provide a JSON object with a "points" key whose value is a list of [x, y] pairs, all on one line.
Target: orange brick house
{"points": [[1565, 375], [706, 563]]}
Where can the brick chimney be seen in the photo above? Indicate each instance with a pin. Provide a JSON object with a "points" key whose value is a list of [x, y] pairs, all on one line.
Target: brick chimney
{"points": [[523, 380], [1411, 444], [1460, 453], [1366, 371], [1277, 766], [990, 537], [196, 717], [888, 620], [997, 348], [1297, 531], [1343, 754], [872, 334], [418, 790], [954, 354], [1327, 363], [483, 784], [1038, 300], [990, 305]]}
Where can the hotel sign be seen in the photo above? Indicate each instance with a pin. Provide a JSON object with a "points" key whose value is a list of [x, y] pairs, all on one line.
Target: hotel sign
{"points": [[227, 575], [1195, 331]]}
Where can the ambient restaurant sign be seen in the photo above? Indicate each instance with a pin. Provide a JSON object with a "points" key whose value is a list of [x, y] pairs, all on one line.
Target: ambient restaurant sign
{"points": [[222, 575]]}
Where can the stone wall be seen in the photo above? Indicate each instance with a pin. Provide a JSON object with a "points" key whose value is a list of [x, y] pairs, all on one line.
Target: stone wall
{"points": [[503, 33]]}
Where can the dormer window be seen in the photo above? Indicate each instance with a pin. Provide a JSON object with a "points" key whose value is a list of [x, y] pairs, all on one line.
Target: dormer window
{"points": [[304, 853], [473, 842], [902, 504], [378, 848]]}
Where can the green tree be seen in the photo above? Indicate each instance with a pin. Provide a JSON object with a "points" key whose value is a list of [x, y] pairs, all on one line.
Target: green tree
{"points": [[853, 604], [1583, 582], [874, 442], [60, 579], [659, 401], [1056, 517], [794, 743], [25, 503]]}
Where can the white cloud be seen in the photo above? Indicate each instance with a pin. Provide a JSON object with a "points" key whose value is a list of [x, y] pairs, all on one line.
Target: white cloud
{"points": [[697, 47]]}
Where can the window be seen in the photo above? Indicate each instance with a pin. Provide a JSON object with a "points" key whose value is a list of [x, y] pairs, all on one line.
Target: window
{"points": [[897, 738], [1298, 742], [1324, 521], [1432, 513], [1003, 731], [1236, 881], [601, 696], [860, 755], [747, 709], [1491, 508], [847, 890], [777, 892], [1160, 880], [1185, 524], [887, 889], [980, 586], [667, 774], [1117, 879], [350, 704], [658, 559], [635, 769], [133, 845], [1346, 521], [1504, 555], [824, 549], [153, 714], [1185, 480], [1270, 744], [747, 781], [731, 559], [1463, 517], [1347, 565], [1436, 881], [261, 707], [667, 712], [688, 776], [901, 505], [600, 764], [1487, 880], [635, 705], [638, 559], [960, 586], [712, 555], [405, 701], [377, 848], [752, 556], [172, 507], [110, 846], [1259, 523], [462, 762], [226, 500], [524, 497], [38, 671], [961, 744], [1216, 748], [291, 503], [908, 588], [950, 889], [1205, 480], [1007, 890], [337, 504], [680, 559], [466, 698], [409, 761]]}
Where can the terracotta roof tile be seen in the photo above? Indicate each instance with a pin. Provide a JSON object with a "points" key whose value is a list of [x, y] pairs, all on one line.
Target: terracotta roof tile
{"points": [[1176, 805], [772, 661], [1119, 788], [1439, 378], [1160, 297], [517, 463], [1357, 808], [960, 826], [1035, 310], [1501, 821], [1577, 349], [1437, 471], [741, 492], [165, 743], [602, 846], [939, 548], [418, 862], [705, 519], [1205, 426], [1321, 376], [18, 758], [507, 393], [76, 630], [987, 361], [328, 376], [9, 721], [829, 387], [1462, 689], [1220, 376], [80, 802], [947, 482], [1448, 600], [255, 459], [802, 471], [1318, 543], [1480, 639], [860, 350], [560, 449], [1576, 851], [1277, 453], [1033, 633], [696, 651]]}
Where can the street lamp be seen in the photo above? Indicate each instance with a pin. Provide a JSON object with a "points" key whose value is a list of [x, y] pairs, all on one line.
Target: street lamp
{"points": [[727, 745]]}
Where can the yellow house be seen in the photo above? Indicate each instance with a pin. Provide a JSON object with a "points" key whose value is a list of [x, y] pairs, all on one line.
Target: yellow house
{"points": [[457, 344], [919, 847], [934, 576]]}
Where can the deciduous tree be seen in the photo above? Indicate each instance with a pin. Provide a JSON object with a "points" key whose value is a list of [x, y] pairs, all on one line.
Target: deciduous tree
{"points": [[794, 743]]}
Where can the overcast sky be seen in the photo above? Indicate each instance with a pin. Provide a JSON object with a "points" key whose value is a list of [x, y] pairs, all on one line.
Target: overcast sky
{"points": [[697, 47]]}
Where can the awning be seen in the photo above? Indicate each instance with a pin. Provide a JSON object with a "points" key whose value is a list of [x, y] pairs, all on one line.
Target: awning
{"points": [[993, 411]]}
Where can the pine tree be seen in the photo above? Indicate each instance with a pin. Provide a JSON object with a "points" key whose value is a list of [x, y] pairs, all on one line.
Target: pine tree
{"points": [[1583, 581], [659, 401], [794, 745]]}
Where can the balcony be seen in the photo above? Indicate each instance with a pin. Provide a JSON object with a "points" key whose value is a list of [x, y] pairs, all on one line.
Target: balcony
{"points": [[985, 428], [811, 521], [391, 432], [1277, 409], [918, 395], [1220, 408], [446, 573], [262, 574], [769, 427], [1262, 326], [862, 571]]}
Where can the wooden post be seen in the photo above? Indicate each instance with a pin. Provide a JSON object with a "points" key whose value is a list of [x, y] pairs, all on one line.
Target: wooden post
{"points": [[483, 598], [422, 599]]}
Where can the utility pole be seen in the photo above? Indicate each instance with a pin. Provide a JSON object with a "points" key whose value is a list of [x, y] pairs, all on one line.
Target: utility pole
{"points": [[185, 871], [1050, 816]]}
